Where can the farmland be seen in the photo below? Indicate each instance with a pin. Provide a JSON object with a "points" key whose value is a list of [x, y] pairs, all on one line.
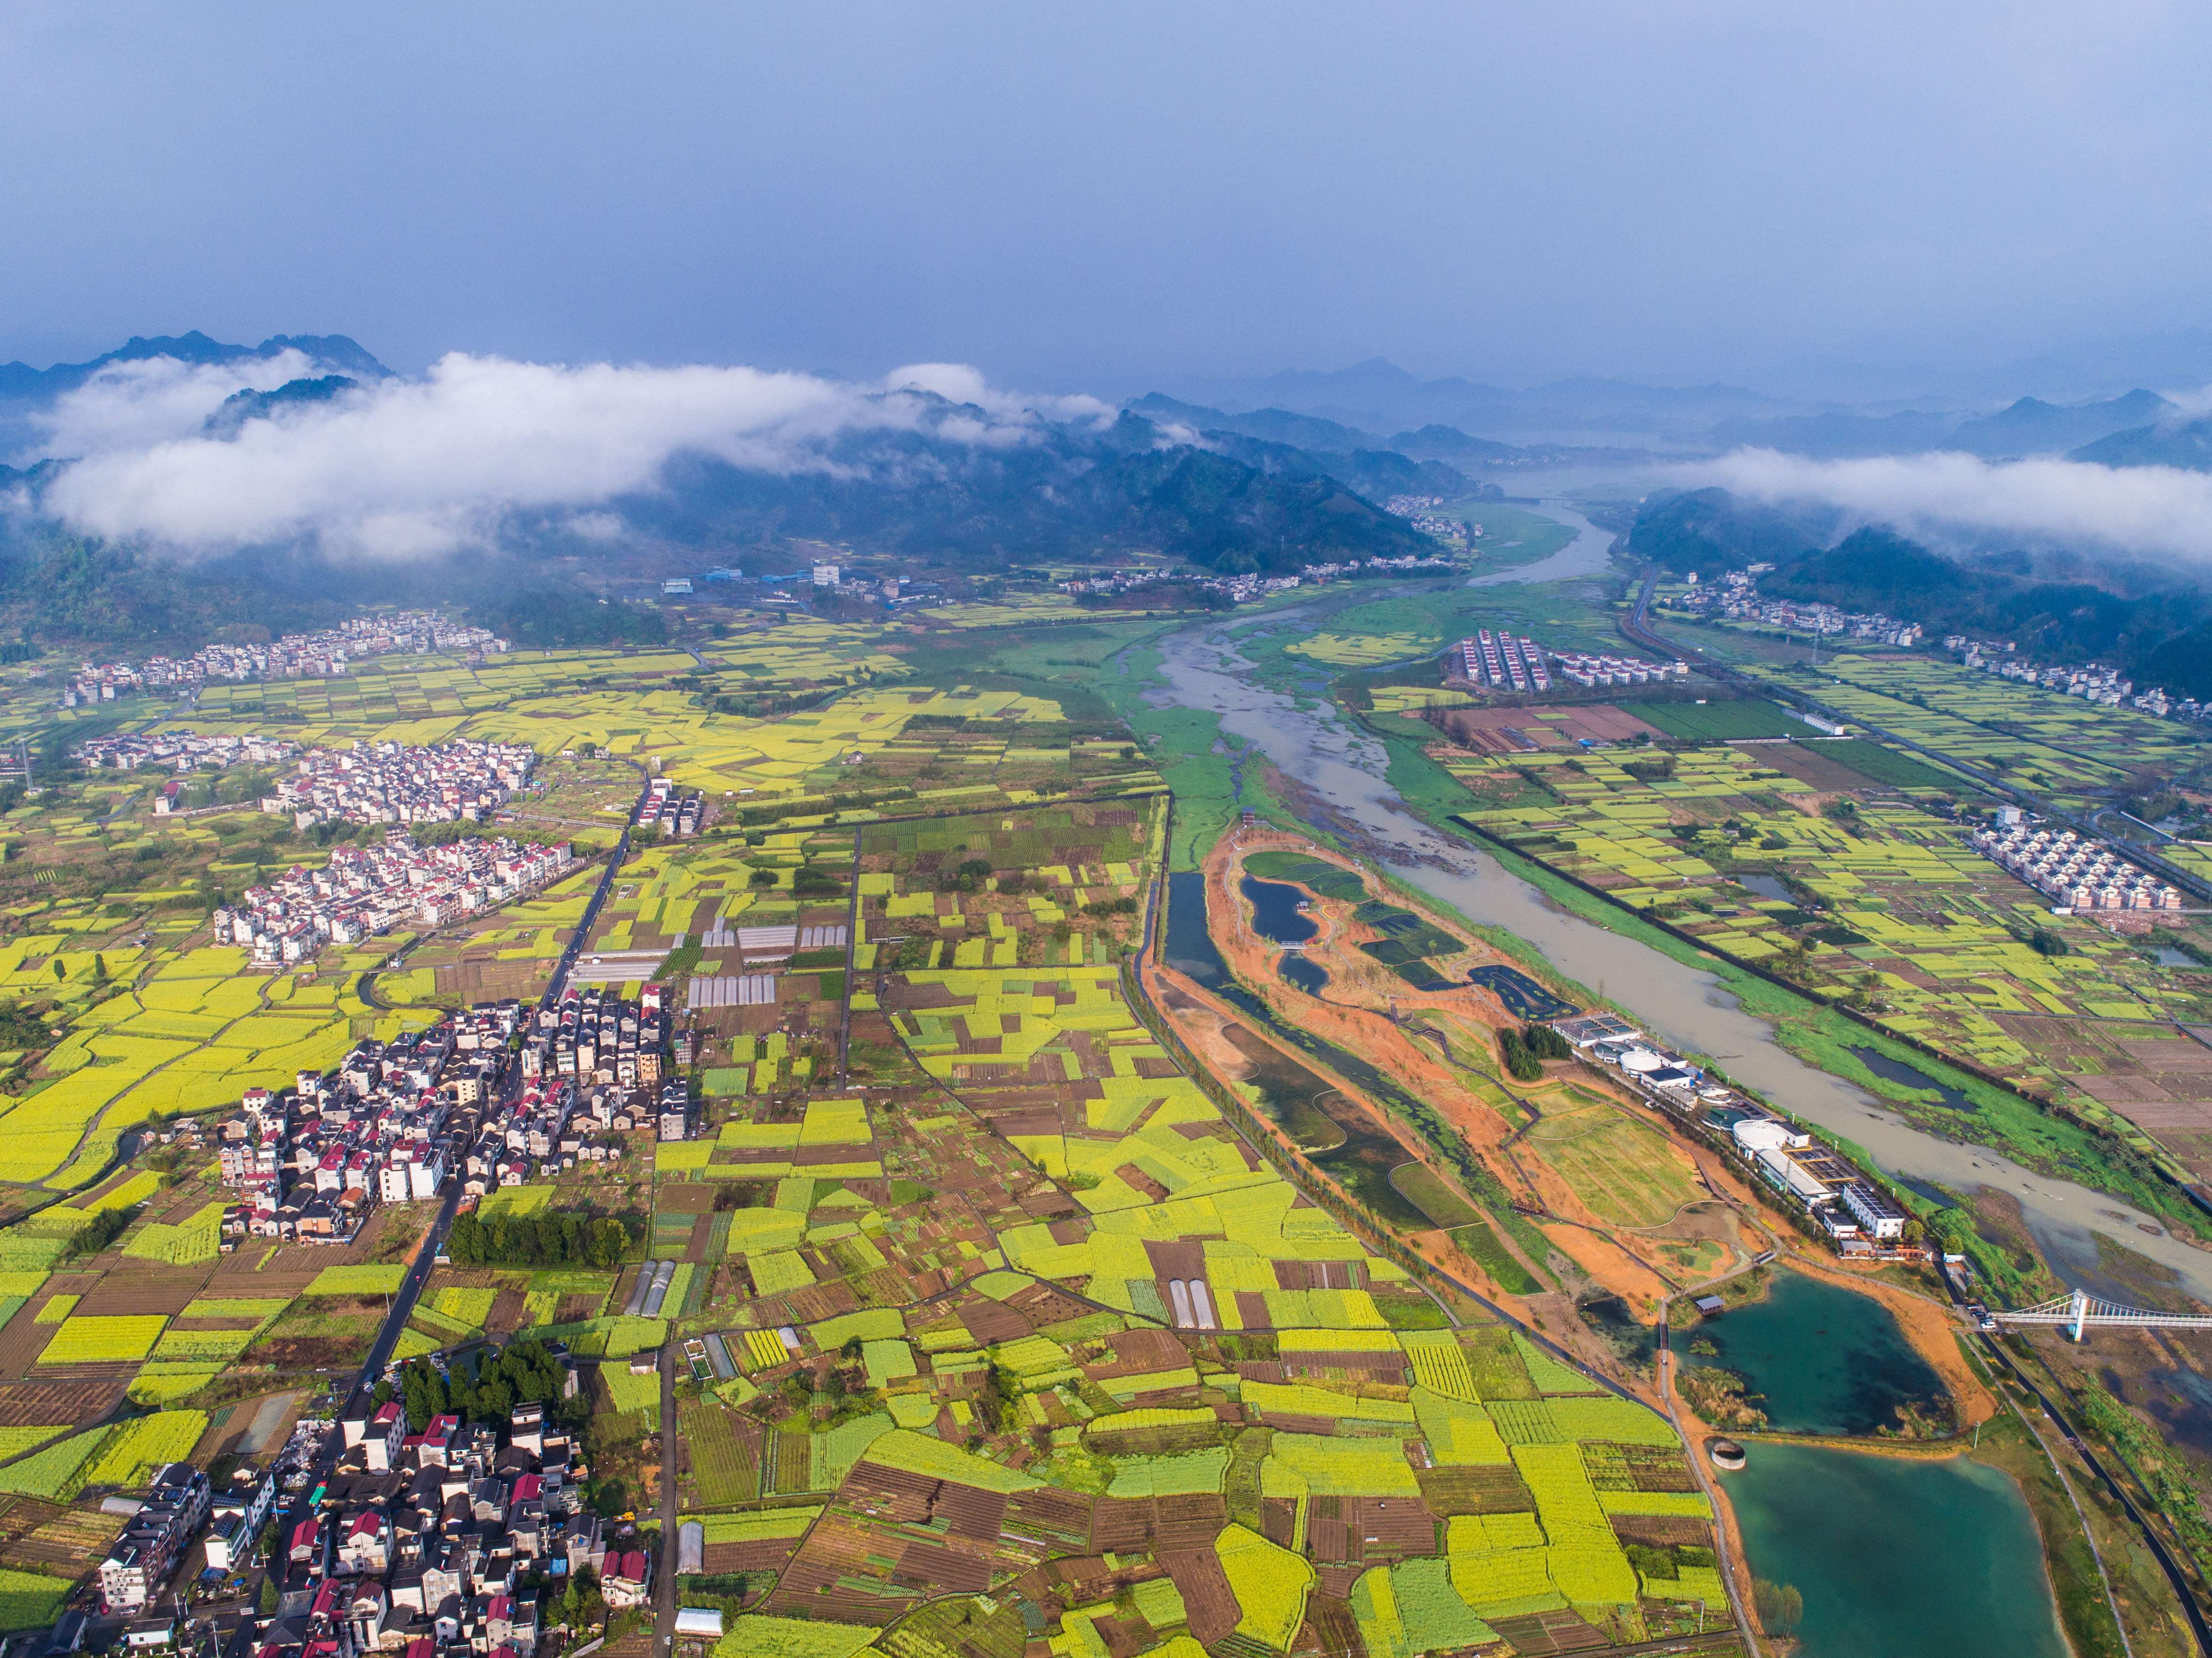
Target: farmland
{"points": [[956, 1196], [980, 1255], [1876, 900]]}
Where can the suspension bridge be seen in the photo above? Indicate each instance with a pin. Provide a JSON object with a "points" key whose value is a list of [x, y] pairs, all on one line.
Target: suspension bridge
{"points": [[2082, 1312]]}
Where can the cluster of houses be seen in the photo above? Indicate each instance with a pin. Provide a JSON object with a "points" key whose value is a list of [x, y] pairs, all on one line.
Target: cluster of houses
{"points": [[400, 1119], [323, 654], [1243, 589], [665, 810], [1498, 661], [422, 1543], [2074, 873], [1856, 1218], [1736, 597], [393, 783], [311, 1163], [2094, 682], [139, 1561], [593, 1037], [1591, 670], [556, 1126], [414, 1544], [1237, 589], [363, 892], [1421, 510], [182, 751]]}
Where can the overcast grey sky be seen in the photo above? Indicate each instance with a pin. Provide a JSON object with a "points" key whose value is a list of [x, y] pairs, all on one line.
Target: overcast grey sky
{"points": [[1104, 196]]}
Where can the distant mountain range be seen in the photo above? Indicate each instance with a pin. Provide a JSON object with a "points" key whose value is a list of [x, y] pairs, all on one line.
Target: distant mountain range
{"points": [[1466, 423], [1320, 436], [2029, 427], [334, 352], [1378, 396]]}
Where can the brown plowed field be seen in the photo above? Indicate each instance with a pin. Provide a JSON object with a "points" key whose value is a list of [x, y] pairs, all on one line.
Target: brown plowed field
{"points": [[1206, 1597], [22, 1342], [43, 1404], [143, 1290]]}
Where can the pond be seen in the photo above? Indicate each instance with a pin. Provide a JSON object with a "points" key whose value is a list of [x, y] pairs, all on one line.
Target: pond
{"points": [[1309, 976], [1522, 996], [1275, 913], [1903, 1556], [1190, 947], [1766, 886], [1896, 1070], [1828, 1360]]}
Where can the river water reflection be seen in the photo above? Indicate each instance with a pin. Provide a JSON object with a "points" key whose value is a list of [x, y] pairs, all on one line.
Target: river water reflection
{"points": [[1687, 1008]]}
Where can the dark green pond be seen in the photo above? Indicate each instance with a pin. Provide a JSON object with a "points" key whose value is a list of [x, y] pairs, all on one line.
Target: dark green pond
{"points": [[1275, 913], [1828, 1360], [1897, 1557]]}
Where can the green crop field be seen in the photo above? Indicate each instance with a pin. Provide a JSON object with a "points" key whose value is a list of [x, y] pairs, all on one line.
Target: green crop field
{"points": [[1717, 721], [950, 1250]]}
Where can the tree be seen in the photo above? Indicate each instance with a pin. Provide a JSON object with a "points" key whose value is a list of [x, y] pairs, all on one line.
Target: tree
{"points": [[425, 1392], [61, 969], [268, 1596], [1781, 1607], [1519, 1061], [99, 970]]}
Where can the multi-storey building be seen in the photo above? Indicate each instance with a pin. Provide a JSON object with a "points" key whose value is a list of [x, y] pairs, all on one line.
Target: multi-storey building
{"points": [[141, 1560]]}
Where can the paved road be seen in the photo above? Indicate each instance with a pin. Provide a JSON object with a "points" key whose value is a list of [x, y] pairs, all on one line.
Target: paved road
{"points": [[418, 1269]]}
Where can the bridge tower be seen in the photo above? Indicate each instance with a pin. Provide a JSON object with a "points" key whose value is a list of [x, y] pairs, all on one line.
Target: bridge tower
{"points": [[2079, 1312]]}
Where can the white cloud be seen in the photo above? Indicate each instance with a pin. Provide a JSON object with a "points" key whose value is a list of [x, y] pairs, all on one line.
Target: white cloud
{"points": [[957, 382], [2159, 512], [411, 467], [130, 405]]}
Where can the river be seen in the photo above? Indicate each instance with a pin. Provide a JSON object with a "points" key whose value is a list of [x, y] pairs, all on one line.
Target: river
{"points": [[1683, 1006]]}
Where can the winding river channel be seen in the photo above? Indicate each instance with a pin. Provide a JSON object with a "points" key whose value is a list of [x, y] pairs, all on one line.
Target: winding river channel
{"points": [[1692, 1010]]}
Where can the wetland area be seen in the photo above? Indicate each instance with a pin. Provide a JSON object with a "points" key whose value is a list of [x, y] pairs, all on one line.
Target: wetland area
{"points": [[1892, 1554]]}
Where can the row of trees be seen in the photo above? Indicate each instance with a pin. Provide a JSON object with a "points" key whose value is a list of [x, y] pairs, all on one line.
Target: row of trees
{"points": [[552, 1237]]}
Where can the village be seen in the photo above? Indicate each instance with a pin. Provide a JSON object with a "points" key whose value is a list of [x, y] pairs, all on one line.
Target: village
{"points": [[419, 1538], [393, 783], [362, 892], [323, 654]]}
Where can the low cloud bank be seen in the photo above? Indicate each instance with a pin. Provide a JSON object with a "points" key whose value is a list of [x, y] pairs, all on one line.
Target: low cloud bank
{"points": [[2157, 512], [410, 468]]}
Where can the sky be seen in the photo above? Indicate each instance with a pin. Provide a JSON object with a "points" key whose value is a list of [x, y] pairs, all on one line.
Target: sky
{"points": [[1100, 198]]}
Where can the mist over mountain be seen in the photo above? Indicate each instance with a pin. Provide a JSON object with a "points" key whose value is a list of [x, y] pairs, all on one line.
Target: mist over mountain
{"points": [[22, 382], [267, 473], [2186, 444], [2029, 427], [1378, 396]]}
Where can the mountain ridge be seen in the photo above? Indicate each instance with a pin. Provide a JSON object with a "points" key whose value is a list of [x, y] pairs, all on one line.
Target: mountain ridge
{"points": [[19, 381]]}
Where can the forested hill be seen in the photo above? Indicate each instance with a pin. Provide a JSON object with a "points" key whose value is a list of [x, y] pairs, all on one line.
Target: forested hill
{"points": [[1069, 496], [2161, 635]]}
